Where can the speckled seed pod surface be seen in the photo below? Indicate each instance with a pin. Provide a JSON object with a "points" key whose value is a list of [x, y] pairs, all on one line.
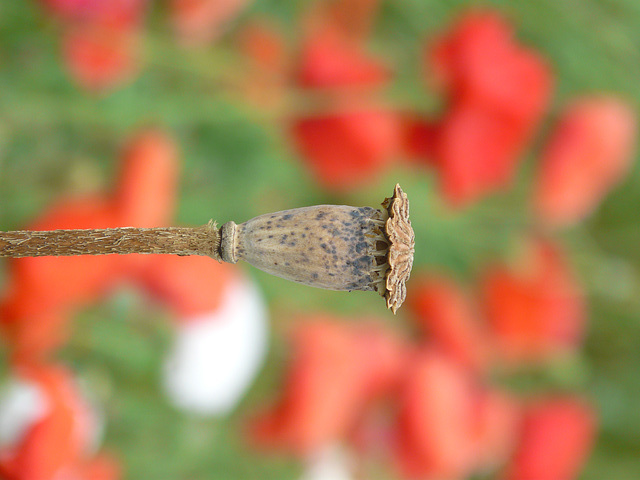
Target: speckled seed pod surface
{"points": [[334, 247], [326, 246]]}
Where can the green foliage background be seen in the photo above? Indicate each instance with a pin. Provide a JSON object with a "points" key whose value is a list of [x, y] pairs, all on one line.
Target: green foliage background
{"points": [[56, 139]]}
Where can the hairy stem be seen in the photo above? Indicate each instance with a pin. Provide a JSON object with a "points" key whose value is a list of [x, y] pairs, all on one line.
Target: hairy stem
{"points": [[203, 240]]}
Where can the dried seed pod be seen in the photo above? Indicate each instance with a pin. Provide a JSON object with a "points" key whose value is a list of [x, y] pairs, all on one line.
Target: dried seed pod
{"points": [[334, 247], [326, 246]]}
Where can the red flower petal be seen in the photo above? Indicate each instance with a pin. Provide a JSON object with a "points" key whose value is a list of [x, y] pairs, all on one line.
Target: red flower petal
{"points": [[103, 467], [536, 310], [189, 286], [446, 313], [347, 149], [473, 40], [336, 371], [495, 428], [264, 45], [590, 151], [498, 92], [76, 279], [100, 58], [267, 63], [198, 22], [435, 424], [556, 438], [58, 441], [477, 152], [321, 395], [146, 191], [418, 139], [115, 14], [42, 291], [327, 61]]}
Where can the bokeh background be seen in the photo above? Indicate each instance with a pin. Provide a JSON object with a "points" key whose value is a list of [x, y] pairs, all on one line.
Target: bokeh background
{"points": [[231, 89]]}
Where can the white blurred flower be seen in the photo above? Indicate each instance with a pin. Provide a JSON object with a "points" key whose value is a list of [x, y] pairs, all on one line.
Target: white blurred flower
{"points": [[22, 404], [216, 355], [331, 463]]}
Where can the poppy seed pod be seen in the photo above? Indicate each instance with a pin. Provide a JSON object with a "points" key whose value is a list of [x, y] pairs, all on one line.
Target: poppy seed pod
{"points": [[335, 247], [326, 246]]}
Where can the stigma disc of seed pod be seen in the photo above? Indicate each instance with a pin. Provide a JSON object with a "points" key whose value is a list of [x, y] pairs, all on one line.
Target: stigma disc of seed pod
{"points": [[335, 247]]}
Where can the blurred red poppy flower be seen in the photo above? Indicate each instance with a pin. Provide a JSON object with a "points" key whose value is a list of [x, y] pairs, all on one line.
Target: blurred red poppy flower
{"points": [[33, 336], [480, 62], [267, 60], [475, 153], [198, 22], [555, 439], [536, 308], [435, 426], [351, 19], [42, 291], [53, 427], [189, 286], [100, 58], [336, 370], [347, 149], [329, 61], [497, 92], [418, 138], [146, 190], [445, 312], [449, 425], [589, 152], [496, 421], [262, 42], [320, 397], [353, 140], [475, 37], [101, 467], [115, 14], [100, 43], [80, 278]]}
